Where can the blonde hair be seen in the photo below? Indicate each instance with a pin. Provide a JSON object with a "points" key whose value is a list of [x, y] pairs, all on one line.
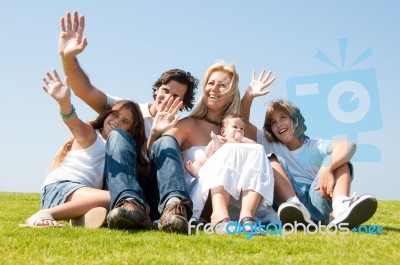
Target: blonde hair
{"points": [[231, 96]]}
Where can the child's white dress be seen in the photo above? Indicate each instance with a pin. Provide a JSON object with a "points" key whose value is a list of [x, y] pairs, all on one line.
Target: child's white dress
{"points": [[237, 167]]}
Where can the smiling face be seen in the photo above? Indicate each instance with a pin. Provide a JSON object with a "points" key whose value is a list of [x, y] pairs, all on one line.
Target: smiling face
{"points": [[233, 130], [215, 90], [281, 127], [172, 89], [122, 118]]}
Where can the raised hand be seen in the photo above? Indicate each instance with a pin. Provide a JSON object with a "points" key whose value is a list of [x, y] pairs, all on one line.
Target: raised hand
{"points": [[55, 88], [166, 117], [257, 85], [71, 41]]}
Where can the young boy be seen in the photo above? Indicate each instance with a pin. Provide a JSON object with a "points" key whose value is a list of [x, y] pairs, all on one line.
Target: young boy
{"points": [[319, 172]]}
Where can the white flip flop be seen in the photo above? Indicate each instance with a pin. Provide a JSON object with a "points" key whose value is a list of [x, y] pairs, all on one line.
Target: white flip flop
{"points": [[37, 217]]}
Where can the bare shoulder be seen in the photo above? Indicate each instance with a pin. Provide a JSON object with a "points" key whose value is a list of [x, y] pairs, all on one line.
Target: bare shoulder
{"points": [[187, 121], [182, 130], [196, 132]]}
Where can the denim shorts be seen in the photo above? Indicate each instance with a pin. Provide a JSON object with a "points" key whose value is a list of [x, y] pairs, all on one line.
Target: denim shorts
{"points": [[56, 193], [318, 206]]}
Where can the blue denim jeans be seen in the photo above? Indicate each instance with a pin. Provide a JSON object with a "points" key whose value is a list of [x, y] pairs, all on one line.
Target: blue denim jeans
{"points": [[167, 166], [120, 169], [56, 193], [122, 179], [318, 206]]}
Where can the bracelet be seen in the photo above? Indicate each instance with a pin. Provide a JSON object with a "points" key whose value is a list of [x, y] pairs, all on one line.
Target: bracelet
{"points": [[69, 116]]}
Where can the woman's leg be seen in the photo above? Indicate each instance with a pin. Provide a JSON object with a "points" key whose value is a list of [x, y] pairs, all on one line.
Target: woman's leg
{"points": [[220, 200], [249, 203]]}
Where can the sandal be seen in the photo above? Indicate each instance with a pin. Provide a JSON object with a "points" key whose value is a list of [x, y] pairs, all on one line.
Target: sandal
{"points": [[220, 227], [35, 221], [249, 224]]}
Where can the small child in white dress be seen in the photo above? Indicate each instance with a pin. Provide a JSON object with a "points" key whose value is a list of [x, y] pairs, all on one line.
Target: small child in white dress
{"points": [[232, 131], [237, 171]]}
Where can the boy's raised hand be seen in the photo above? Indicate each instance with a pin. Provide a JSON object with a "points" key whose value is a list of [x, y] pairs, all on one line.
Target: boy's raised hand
{"points": [[55, 88], [257, 85], [71, 41]]}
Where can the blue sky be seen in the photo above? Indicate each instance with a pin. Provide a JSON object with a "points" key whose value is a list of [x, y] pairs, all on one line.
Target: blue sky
{"points": [[305, 43]]}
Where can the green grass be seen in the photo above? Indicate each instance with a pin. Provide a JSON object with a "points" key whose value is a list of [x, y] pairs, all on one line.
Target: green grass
{"points": [[72, 245]]}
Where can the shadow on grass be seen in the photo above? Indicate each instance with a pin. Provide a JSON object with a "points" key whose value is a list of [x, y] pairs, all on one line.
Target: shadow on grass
{"points": [[391, 229]]}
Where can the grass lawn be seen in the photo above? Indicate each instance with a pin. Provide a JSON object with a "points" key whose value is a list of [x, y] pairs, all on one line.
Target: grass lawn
{"points": [[72, 245]]}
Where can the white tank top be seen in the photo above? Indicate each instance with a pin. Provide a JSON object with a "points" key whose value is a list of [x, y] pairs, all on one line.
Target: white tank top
{"points": [[84, 166]]}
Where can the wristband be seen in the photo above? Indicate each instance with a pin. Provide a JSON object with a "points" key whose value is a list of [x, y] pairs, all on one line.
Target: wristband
{"points": [[69, 116]]}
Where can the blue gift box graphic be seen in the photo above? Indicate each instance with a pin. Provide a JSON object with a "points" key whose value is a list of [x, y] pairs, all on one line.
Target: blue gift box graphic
{"points": [[340, 103]]}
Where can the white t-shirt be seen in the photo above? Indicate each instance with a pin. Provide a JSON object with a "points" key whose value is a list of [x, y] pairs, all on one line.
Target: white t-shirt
{"points": [[303, 163], [85, 166]]}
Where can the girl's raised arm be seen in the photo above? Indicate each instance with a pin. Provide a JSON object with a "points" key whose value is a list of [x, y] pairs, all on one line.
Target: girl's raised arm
{"points": [[84, 133]]}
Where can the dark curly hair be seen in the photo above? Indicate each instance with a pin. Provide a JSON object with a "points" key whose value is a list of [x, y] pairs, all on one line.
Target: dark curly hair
{"points": [[182, 77]]}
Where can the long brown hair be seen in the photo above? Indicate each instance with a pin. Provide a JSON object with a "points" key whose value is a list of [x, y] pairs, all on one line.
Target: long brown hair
{"points": [[297, 120], [136, 131]]}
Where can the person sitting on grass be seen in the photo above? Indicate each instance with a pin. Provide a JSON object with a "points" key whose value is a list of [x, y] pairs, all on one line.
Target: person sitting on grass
{"points": [[73, 188], [232, 131], [239, 165], [316, 183]]}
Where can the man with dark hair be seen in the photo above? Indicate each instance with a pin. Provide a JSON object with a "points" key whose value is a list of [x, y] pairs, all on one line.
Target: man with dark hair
{"points": [[135, 199]]}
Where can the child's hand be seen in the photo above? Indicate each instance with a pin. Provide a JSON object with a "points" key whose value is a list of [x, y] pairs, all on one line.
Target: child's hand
{"points": [[238, 136], [326, 183], [55, 88], [257, 86]]}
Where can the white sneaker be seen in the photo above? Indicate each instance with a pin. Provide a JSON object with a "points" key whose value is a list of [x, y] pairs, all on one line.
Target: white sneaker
{"points": [[355, 210], [94, 218], [294, 211]]}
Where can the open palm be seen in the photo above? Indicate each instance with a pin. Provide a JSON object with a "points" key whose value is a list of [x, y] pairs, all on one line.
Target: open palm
{"points": [[55, 88], [257, 85], [71, 41]]}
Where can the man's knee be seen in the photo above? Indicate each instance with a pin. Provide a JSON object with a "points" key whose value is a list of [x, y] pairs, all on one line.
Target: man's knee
{"points": [[164, 142]]}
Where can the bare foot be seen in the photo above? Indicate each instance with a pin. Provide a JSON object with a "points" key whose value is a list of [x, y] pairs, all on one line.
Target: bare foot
{"points": [[217, 143], [193, 171]]}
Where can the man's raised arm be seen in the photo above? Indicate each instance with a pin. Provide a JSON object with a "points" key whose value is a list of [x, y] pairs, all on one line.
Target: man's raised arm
{"points": [[71, 43]]}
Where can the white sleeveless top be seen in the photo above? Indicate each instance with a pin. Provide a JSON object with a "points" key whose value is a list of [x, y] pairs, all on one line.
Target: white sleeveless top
{"points": [[85, 166]]}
